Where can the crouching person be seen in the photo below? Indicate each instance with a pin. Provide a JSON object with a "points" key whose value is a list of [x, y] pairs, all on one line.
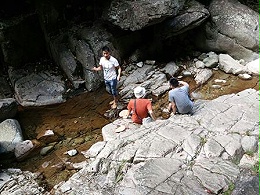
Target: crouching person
{"points": [[179, 99], [140, 108]]}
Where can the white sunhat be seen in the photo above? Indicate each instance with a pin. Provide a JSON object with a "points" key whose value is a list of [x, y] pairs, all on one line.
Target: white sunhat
{"points": [[139, 92]]}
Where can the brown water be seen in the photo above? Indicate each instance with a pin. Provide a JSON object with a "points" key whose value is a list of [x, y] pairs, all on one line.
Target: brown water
{"points": [[79, 122]]}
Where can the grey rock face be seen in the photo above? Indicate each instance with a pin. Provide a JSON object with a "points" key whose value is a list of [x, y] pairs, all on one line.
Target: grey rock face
{"points": [[135, 15], [81, 52], [233, 29], [248, 186], [192, 16], [181, 155], [15, 181], [39, 89]]}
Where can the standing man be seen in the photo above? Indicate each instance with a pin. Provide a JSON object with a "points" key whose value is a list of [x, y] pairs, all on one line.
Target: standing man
{"points": [[179, 97], [112, 73]]}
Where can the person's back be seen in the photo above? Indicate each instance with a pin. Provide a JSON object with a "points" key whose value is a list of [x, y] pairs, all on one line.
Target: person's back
{"points": [[140, 108], [181, 97]]}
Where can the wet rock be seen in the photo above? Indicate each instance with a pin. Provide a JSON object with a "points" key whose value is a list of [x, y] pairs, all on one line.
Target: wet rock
{"points": [[216, 86], [220, 81], [44, 151], [78, 141]]}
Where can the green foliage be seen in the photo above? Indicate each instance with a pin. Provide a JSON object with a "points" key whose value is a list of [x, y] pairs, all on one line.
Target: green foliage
{"points": [[231, 187], [119, 172], [203, 140], [249, 153], [256, 167]]}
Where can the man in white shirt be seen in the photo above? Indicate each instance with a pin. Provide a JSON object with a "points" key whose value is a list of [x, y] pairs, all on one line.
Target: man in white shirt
{"points": [[112, 73]]}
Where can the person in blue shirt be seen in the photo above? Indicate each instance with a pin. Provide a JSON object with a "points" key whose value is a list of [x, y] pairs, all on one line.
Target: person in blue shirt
{"points": [[179, 99]]}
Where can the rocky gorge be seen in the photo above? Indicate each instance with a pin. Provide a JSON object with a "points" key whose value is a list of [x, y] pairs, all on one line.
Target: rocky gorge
{"points": [[215, 150]]}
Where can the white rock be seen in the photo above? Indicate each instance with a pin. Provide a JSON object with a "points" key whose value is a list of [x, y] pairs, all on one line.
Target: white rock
{"points": [[140, 64], [253, 67], [216, 86], [72, 152], [49, 132], [199, 64], [220, 81], [245, 76]]}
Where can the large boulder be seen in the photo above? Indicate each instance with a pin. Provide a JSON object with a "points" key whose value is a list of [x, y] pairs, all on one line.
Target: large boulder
{"points": [[79, 50], [10, 135], [135, 15], [37, 88], [192, 16], [233, 29]]}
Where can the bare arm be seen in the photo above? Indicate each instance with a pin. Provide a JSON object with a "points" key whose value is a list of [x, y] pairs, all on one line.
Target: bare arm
{"points": [[152, 115], [119, 72], [97, 68]]}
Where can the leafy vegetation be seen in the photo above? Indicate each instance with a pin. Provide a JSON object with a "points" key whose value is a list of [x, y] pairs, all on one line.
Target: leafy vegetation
{"points": [[231, 187], [256, 167]]}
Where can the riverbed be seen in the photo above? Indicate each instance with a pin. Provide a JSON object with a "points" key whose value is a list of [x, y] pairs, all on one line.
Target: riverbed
{"points": [[79, 121]]}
